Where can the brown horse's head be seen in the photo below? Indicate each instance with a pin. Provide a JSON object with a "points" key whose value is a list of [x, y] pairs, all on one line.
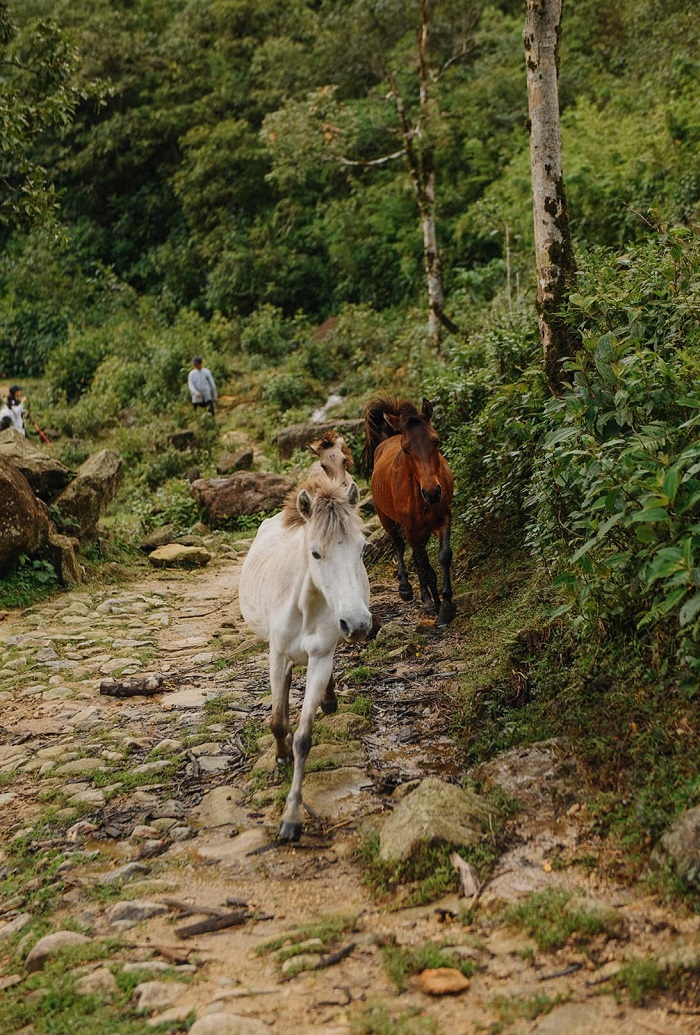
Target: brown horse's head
{"points": [[333, 455], [421, 447]]}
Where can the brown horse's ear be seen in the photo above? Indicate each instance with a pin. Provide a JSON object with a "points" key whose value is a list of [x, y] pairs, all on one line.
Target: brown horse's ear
{"points": [[393, 420], [315, 447], [353, 494], [304, 504], [427, 409]]}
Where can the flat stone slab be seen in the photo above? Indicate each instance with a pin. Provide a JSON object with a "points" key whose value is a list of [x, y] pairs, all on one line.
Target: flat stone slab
{"points": [[234, 853], [334, 792]]}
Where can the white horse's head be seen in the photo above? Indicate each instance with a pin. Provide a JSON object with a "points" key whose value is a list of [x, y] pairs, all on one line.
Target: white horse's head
{"points": [[334, 542]]}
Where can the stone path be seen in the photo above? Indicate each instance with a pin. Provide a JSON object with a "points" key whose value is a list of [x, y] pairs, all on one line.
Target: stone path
{"points": [[143, 806]]}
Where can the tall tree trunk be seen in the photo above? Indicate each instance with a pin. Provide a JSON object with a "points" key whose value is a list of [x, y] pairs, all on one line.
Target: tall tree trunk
{"points": [[554, 253], [421, 167]]}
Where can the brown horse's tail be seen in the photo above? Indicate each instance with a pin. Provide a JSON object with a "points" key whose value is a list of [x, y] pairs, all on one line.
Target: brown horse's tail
{"points": [[377, 430]]}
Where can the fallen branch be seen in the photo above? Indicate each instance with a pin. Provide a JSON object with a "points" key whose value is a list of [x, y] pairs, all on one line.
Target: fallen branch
{"points": [[571, 969], [194, 909], [137, 686], [326, 961], [214, 923]]}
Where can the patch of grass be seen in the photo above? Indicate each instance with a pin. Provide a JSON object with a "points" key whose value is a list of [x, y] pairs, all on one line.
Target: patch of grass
{"points": [[401, 962], [511, 1008], [47, 1003], [216, 708], [639, 978], [358, 675], [427, 876], [551, 920], [327, 928], [377, 1019], [361, 705]]}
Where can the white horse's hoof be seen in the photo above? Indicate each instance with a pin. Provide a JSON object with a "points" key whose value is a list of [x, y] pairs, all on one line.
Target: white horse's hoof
{"points": [[290, 832]]}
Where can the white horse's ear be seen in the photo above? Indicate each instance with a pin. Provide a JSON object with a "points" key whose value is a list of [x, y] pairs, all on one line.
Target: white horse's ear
{"points": [[304, 504], [427, 409], [353, 494]]}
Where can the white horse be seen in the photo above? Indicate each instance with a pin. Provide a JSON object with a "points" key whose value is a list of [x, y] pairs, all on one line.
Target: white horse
{"points": [[304, 587]]}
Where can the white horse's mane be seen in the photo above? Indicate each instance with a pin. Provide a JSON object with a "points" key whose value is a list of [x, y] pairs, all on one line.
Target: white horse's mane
{"points": [[333, 514]]}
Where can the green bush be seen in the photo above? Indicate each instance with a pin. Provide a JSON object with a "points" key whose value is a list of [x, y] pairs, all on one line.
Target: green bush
{"points": [[615, 495]]}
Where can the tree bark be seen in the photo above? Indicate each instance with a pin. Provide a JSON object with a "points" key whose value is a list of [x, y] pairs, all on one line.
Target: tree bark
{"points": [[554, 253]]}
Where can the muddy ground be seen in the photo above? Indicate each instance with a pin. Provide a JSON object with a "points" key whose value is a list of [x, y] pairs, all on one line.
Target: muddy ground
{"points": [[139, 831]]}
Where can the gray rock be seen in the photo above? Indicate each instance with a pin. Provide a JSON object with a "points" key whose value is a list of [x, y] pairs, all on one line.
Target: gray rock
{"points": [[9, 929], [46, 475], [242, 493], [180, 556], [158, 537], [85, 500], [134, 910], [544, 776], [24, 520], [229, 1024], [153, 995], [124, 873], [240, 461], [51, 945], [219, 808], [100, 983], [435, 812], [679, 848]]}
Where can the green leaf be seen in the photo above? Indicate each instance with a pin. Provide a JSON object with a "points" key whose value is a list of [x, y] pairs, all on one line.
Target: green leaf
{"points": [[671, 482], [650, 515]]}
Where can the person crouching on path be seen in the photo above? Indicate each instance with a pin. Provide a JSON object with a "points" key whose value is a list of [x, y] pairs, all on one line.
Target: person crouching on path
{"points": [[12, 413], [201, 385]]}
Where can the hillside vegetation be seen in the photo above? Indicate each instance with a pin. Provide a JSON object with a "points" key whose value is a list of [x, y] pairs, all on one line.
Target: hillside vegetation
{"points": [[213, 178]]}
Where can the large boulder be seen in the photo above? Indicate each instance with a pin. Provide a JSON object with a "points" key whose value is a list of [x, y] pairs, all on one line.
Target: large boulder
{"points": [[679, 848], [242, 493], [298, 436], [46, 475], [24, 520], [436, 812], [81, 505]]}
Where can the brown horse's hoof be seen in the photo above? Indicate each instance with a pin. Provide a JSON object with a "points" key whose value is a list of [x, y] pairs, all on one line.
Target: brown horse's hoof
{"points": [[405, 593], [447, 613]]}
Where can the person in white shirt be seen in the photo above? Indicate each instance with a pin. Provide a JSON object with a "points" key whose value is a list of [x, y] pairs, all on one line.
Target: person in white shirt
{"points": [[12, 413], [201, 385]]}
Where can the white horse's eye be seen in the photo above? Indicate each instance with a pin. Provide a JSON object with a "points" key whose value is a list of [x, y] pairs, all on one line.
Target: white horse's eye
{"points": [[316, 555]]}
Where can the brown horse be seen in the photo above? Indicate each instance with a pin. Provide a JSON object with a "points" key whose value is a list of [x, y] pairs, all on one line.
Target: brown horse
{"points": [[412, 488]]}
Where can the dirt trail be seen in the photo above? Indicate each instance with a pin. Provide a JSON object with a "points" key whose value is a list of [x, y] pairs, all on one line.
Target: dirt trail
{"points": [[135, 781]]}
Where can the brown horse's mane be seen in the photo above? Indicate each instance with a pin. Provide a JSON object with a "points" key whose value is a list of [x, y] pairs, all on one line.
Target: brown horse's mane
{"points": [[334, 514], [377, 429]]}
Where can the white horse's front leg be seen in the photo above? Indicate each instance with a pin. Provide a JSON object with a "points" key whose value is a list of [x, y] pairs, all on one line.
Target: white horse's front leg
{"points": [[318, 676], [280, 681]]}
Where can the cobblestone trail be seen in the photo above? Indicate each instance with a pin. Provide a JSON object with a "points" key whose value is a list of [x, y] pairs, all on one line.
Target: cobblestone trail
{"points": [[151, 804]]}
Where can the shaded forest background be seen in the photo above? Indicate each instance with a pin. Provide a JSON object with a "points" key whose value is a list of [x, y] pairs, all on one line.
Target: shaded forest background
{"points": [[228, 177]]}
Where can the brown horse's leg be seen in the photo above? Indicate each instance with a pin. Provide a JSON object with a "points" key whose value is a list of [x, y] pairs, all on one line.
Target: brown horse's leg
{"points": [[329, 702], [426, 576], [447, 608], [395, 533]]}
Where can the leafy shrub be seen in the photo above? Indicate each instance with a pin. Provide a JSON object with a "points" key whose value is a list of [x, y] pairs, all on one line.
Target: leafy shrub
{"points": [[616, 488], [32, 581], [267, 334], [171, 503]]}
